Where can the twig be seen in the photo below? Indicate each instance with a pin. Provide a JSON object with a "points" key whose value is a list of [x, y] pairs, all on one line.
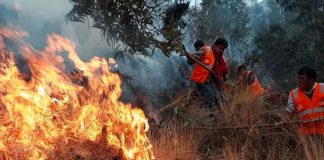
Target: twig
{"points": [[170, 105], [264, 126], [198, 62]]}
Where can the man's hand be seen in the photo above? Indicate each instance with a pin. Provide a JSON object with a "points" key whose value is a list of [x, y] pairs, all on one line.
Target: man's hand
{"points": [[285, 118], [190, 59]]}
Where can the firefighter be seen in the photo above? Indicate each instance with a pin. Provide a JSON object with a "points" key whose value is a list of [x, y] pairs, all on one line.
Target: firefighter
{"points": [[220, 67], [201, 76], [307, 103], [249, 82]]}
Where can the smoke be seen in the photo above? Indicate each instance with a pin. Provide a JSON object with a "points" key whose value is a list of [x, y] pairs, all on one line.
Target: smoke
{"points": [[152, 76], [158, 77], [41, 17], [7, 14]]}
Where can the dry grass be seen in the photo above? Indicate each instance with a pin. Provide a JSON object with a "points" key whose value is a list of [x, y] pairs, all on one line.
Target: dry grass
{"points": [[313, 147], [178, 138], [175, 143], [175, 139]]}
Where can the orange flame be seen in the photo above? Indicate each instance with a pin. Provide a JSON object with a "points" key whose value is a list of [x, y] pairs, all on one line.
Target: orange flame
{"points": [[50, 106]]}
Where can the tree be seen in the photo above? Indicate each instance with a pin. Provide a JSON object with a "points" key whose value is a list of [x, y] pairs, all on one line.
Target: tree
{"points": [[221, 18], [136, 24], [264, 14], [284, 48], [274, 50], [309, 16]]}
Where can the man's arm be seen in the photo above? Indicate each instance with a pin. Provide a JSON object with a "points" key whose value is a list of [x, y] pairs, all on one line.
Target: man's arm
{"points": [[197, 55], [290, 110], [190, 61], [200, 53]]}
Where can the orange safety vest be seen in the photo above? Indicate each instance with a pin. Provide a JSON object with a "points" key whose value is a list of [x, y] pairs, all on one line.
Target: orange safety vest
{"points": [[310, 109], [199, 73], [255, 88]]}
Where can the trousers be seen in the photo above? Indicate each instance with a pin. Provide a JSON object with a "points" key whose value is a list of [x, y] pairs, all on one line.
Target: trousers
{"points": [[206, 92]]}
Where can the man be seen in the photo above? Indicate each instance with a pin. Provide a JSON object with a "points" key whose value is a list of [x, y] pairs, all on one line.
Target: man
{"points": [[220, 67], [249, 82], [200, 75], [307, 102]]}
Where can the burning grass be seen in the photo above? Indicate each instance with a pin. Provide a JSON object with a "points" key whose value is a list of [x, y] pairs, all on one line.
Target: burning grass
{"points": [[50, 116]]}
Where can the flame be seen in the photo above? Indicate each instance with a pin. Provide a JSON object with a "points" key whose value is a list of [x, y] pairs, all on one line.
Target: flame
{"points": [[51, 106]]}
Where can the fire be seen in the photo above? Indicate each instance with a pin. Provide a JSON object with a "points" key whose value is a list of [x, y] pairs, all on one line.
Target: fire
{"points": [[53, 106]]}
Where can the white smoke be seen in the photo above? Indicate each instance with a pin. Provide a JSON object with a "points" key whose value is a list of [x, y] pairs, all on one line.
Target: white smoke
{"points": [[41, 17]]}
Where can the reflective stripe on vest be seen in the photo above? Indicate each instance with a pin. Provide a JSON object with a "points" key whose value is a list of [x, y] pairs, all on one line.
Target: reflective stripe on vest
{"points": [[294, 94], [322, 87], [311, 111]]}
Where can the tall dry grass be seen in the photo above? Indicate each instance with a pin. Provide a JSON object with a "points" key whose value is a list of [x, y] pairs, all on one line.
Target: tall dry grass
{"points": [[174, 143], [175, 139], [179, 138], [313, 147]]}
